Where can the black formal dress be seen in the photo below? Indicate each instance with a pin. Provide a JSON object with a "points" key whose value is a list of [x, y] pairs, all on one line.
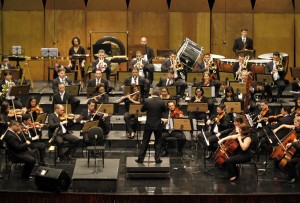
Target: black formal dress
{"points": [[292, 165], [72, 52], [20, 151], [63, 135], [154, 107], [107, 70]]}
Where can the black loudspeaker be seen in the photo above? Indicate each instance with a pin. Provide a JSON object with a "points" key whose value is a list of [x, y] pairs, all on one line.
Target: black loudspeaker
{"points": [[51, 179]]}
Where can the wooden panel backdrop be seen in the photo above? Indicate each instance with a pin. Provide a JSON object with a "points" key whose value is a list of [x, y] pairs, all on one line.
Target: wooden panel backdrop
{"points": [[297, 34], [23, 24]]}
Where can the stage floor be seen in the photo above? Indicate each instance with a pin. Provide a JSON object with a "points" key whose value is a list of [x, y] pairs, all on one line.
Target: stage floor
{"points": [[186, 178]]}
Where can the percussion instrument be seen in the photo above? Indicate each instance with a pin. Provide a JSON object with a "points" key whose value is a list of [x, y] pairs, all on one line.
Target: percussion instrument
{"points": [[270, 56], [228, 61]]}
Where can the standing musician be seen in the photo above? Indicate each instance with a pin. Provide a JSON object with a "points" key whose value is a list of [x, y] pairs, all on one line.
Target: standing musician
{"points": [[138, 80], [145, 69], [91, 114], [98, 80], [168, 131], [62, 78], [131, 120], [242, 153], [154, 107], [102, 64], [19, 149], [76, 49], [63, 97], [59, 120], [239, 66], [33, 133], [173, 64], [149, 56], [5, 87], [276, 69], [101, 96], [220, 122], [243, 42], [34, 107]]}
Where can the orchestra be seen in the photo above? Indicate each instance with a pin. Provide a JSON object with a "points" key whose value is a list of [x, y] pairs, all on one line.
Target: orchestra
{"points": [[275, 133]]}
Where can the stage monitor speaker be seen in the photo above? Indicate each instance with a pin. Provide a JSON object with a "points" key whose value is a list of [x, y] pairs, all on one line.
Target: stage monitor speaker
{"points": [[51, 179]]}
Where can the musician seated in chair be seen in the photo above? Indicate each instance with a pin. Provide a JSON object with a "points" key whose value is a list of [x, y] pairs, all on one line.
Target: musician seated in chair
{"points": [[145, 69], [101, 96], [5, 65], [277, 70], [102, 64], [200, 98], [219, 122], [173, 64], [243, 152], [33, 133], [62, 78], [5, 87], [63, 97], [58, 66], [91, 114], [168, 131], [239, 66], [99, 80]]}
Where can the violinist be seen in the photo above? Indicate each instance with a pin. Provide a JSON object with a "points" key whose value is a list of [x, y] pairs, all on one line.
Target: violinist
{"points": [[63, 134], [168, 131], [101, 96], [220, 122], [131, 120], [34, 107], [264, 113], [91, 114], [5, 86], [33, 133], [63, 97], [242, 153]]}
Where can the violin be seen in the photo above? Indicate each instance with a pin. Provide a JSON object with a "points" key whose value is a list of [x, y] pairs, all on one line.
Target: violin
{"points": [[177, 113], [16, 112], [36, 109], [262, 115], [274, 118], [219, 117]]}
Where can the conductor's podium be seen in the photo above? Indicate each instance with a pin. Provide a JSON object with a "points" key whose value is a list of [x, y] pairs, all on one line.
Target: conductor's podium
{"points": [[148, 169]]}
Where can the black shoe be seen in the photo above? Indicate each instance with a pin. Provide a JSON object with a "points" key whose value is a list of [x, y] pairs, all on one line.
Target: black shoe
{"points": [[165, 153], [159, 161], [139, 161], [292, 180]]}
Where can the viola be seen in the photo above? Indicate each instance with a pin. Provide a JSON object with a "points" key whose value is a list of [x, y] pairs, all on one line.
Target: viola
{"points": [[219, 117], [17, 112], [36, 109], [177, 113], [279, 150]]}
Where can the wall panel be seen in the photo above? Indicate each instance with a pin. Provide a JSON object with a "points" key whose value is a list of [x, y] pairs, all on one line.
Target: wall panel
{"points": [[232, 6], [23, 5], [148, 5], [189, 6], [225, 28], [274, 32], [107, 5], [25, 28], [274, 6], [297, 41], [153, 25], [194, 26]]}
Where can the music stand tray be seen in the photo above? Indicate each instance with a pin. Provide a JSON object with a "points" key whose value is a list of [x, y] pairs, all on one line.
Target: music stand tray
{"points": [[89, 125], [41, 118], [107, 108], [225, 76], [73, 89], [90, 90], [19, 90], [194, 76], [266, 78], [233, 107], [239, 87], [209, 92], [183, 124], [136, 109], [122, 75], [197, 107]]}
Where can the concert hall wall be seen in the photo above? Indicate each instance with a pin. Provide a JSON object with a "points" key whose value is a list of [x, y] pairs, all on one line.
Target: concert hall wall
{"points": [[34, 24]]}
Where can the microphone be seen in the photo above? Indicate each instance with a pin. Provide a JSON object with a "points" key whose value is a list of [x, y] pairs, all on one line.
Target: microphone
{"points": [[50, 98]]}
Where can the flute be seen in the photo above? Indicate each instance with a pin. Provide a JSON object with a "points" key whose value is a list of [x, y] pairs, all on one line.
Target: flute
{"points": [[94, 97], [123, 97]]}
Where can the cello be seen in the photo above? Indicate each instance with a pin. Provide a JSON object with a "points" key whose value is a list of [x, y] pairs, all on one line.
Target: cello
{"points": [[290, 151], [279, 150]]}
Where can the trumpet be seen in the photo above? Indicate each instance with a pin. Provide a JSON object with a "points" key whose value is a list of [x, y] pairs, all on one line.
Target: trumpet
{"points": [[124, 97], [139, 64], [212, 67], [101, 65], [242, 68]]}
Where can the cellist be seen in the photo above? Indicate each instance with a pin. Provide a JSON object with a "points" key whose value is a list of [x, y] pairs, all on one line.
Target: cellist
{"points": [[242, 153]]}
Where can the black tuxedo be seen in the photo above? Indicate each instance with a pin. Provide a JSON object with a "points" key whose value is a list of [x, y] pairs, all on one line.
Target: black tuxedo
{"points": [[281, 83], [154, 107], [148, 68], [150, 54], [107, 70], [54, 122], [141, 81], [165, 66], [68, 98], [163, 82], [20, 151], [239, 45], [201, 67], [92, 83], [56, 81]]}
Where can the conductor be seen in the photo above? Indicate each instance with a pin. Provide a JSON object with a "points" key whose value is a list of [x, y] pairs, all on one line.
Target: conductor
{"points": [[154, 107]]}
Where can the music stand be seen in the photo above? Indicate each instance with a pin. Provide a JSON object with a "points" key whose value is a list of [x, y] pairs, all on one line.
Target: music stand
{"points": [[19, 90], [90, 90], [250, 53], [41, 118], [193, 76], [89, 125], [295, 72], [209, 92], [107, 108], [16, 54], [264, 78], [157, 75], [233, 107], [183, 124], [127, 89], [73, 89], [239, 87], [136, 110], [226, 77], [49, 52], [14, 72]]}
